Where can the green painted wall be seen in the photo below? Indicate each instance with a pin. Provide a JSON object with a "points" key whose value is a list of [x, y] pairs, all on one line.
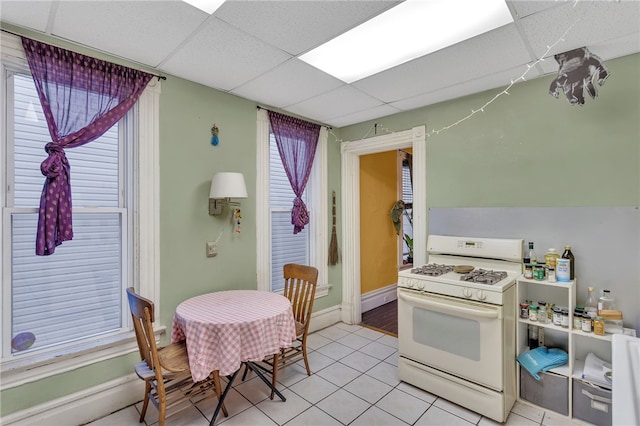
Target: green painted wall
{"points": [[530, 149]]}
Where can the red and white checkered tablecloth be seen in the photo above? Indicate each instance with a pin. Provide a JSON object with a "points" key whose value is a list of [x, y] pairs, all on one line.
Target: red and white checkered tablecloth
{"points": [[224, 328]]}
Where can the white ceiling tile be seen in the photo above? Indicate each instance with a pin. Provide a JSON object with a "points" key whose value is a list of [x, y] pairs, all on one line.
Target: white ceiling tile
{"points": [[344, 100], [529, 7], [499, 49], [580, 24], [298, 26], [32, 14], [222, 57], [144, 31], [289, 83], [359, 117], [495, 83]]}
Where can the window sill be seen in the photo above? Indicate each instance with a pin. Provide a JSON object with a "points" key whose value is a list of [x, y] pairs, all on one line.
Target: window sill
{"points": [[30, 368]]}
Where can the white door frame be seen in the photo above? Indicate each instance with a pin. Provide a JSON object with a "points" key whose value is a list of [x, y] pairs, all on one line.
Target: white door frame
{"points": [[414, 138]]}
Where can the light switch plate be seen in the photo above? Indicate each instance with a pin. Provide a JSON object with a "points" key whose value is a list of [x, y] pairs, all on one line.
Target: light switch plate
{"points": [[212, 249]]}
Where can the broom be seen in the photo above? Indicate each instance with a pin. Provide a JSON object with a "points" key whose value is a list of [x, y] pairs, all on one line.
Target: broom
{"points": [[333, 245]]}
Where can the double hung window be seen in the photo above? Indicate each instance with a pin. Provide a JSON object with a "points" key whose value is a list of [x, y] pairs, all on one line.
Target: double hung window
{"points": [[76, 293], [70, 308], [277, 245]]}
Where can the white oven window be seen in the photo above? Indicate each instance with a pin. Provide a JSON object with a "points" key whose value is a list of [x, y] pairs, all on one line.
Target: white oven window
{"points": [[448, 333]]}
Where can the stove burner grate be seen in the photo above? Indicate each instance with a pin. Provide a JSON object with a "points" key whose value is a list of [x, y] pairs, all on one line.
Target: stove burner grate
{"points": [[432, 270], [483, 276]]}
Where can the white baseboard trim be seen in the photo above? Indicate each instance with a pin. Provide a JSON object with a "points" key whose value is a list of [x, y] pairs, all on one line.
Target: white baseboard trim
{"points": [[379, 297], [325, 318], [82, 407]]}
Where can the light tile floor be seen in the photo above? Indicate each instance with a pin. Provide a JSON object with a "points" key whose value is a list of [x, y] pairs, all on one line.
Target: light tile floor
{"points": [[355, 382]]}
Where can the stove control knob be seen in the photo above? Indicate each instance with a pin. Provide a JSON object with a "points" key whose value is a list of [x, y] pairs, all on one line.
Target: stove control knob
{"points": [[481, 295], [409, 282], [466, 292], [420, 285]]}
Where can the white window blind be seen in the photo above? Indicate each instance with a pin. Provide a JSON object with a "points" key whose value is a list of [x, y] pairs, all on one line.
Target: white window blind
{"points": [[285, 246], [77, 292]]}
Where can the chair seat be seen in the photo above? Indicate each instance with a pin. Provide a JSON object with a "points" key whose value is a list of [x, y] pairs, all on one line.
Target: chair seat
{"points": [[174, 357]]}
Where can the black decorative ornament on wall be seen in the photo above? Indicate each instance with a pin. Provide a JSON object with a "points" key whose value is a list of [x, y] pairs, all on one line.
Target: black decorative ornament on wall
{"points": [[578, 70]]}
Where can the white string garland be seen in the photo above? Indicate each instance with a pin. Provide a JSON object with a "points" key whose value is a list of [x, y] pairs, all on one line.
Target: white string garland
{"points": [[502, 93]]}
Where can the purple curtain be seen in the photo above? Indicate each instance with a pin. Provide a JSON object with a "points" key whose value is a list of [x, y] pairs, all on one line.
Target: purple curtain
{"points": [[297, 141], [82, 97]]}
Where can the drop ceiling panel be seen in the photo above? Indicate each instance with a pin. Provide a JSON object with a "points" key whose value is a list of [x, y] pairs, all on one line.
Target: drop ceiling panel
{"points": [[223, 57], [289, 83], [33, 14], [144, 31], [298, 26], [343, 101], [359, 117], [585, 23], [498, 49], [494, 83], [529, 7]]}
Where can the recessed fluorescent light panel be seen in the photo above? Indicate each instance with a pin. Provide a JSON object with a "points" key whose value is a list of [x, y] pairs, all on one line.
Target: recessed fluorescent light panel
{"points": [[409, 30], [208, 6]]}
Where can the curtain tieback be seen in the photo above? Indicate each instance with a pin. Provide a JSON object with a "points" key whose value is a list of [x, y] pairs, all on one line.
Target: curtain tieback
{"points": [[56, 163], [299, 215]]}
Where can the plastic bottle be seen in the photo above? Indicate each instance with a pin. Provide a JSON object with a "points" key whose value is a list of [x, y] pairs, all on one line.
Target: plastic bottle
{"points": [[550, 258], [532, 254], [568, 255], [606, 302], [591, 304]]}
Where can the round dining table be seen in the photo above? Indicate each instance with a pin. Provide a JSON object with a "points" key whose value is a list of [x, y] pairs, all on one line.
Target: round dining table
{"points": [[225, 328]]}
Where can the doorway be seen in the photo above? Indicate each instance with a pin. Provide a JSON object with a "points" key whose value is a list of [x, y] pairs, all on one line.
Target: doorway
{"points": [[415, 139]]}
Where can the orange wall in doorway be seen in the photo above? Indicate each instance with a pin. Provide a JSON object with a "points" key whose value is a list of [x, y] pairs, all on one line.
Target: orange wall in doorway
{"points": [[378, 240]]}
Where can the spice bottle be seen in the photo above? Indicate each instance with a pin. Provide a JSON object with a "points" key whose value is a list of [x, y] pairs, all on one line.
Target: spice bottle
{"points": [[569, 255], [598, 326], [542, 312]]}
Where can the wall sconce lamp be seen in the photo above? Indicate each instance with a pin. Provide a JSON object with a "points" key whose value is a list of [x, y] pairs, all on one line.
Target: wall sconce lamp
{"points": [[224, 187]]}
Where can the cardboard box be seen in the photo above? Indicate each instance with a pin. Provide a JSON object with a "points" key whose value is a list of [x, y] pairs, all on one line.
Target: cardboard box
{"points": [[591, 403], [550, 392]]}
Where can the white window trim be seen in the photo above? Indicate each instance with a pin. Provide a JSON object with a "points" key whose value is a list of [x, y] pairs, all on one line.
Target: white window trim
{"points": [[317, 204], [146, 225]]}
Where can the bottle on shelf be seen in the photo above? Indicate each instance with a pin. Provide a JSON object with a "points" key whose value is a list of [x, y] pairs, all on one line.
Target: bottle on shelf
{"points": [[606, 302], [591, 304], [550, 258], [532, 254], [569, 255]]}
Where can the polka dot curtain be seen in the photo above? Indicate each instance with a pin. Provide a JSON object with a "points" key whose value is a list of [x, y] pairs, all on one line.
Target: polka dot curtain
{"points": [[82, 97], [297, 140]]}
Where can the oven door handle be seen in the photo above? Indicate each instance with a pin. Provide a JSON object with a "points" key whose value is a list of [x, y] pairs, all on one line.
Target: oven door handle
{"points": [[451, 307]]}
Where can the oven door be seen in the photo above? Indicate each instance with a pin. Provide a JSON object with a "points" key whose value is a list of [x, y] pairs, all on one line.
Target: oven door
{"points": [[460, 337]]}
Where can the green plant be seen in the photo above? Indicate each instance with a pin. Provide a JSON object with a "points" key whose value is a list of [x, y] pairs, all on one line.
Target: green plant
{"points": [[409, 241]]}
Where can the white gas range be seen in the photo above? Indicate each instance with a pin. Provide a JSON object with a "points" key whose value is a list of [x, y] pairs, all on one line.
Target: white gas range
{"points": [[456, 330]]}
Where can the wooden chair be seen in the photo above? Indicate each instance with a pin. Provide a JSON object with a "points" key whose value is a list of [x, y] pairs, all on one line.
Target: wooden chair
{"points": [[300, 288], [165, 371]]}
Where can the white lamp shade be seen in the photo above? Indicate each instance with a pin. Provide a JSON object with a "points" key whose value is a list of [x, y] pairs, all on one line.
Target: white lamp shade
{"points": [[228, 185]]}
